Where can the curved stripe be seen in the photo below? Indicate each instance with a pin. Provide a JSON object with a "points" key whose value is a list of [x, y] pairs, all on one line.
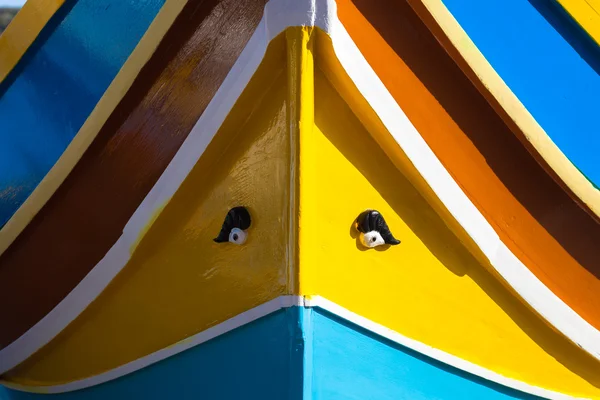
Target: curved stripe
{"points": [[548, 231], [529, 130], [271, 307], [92, 125], [463, 211], [586, 13], [23, 30], [266, 369], [48, 96], [410, 142], [184, 160], [84, 217], [561, 96], [193, 272]]}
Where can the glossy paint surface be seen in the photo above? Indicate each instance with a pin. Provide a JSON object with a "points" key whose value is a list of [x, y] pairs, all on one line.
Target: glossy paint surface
{"points": [[254, 361], [548, 63], [387, 371], [177, 271], [586, 14], [294, 353], [533, 216], [429, 288], [85, 217], [57, 84], [23, 30]]}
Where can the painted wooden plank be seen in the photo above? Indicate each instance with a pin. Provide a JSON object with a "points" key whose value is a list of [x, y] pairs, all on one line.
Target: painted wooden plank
{"points": [[23, 30], [74, 231], [536, 219], [523, 41], [254, 361], [56, 85]]}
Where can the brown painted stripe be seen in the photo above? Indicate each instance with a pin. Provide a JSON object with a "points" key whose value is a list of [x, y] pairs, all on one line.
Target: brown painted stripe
{"points": [[86, 215], [541, 224]]}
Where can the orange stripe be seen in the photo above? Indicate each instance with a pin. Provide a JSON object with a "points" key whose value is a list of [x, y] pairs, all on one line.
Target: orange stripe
{"points": [[534, 217]]}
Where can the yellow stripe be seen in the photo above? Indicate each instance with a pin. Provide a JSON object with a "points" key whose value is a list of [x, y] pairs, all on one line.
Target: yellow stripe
{"points": [[108, 102], [22, 31], [512, 109], [586, 13]]}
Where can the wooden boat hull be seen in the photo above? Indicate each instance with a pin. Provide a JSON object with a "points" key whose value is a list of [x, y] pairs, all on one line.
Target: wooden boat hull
{"points": [[327, 112], [294, 353]]}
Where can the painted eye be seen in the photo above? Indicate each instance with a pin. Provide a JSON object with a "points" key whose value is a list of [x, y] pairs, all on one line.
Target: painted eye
{"points": [[373, 229], [237, 221], [237, 236]]}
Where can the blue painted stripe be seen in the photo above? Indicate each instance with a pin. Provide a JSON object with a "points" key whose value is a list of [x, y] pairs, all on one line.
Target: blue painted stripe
{"points": [[49, 94], [296, 353], [549, 63]]}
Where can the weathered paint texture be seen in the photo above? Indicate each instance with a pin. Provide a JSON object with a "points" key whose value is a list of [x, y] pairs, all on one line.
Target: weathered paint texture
{"points": [[552, 67], [86, 215], [254, 361], [49, 94], [535, 218]]}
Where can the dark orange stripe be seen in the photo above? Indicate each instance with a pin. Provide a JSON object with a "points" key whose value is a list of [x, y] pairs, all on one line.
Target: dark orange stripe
{"points": [[86, 215], [533, 215]]}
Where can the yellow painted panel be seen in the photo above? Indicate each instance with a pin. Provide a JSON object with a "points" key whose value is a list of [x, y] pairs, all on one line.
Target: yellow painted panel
{"points": [[179, 282], [586, 13], [430, 287], [22, 31]]}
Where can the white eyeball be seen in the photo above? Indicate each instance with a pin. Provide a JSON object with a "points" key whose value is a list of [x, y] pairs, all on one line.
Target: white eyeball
{"points": [[237, 236], [371, 239]]}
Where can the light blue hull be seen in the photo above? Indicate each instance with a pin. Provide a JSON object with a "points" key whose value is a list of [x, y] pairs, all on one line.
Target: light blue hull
{"points": [[296, 353]]}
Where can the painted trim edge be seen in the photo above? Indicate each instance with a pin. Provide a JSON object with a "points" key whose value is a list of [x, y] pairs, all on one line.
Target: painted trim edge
{"points": [[94, 122], [579, 186], [287, 302], [22, 31]]}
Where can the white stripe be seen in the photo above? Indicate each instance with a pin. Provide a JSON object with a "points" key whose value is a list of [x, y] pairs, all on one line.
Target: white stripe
{"points": [[278, 304], [508, 266], [278, 15]]}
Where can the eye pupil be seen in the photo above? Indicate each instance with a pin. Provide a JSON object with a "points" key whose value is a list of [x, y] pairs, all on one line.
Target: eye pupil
{"points": [[235, 236], [372, 239]]}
